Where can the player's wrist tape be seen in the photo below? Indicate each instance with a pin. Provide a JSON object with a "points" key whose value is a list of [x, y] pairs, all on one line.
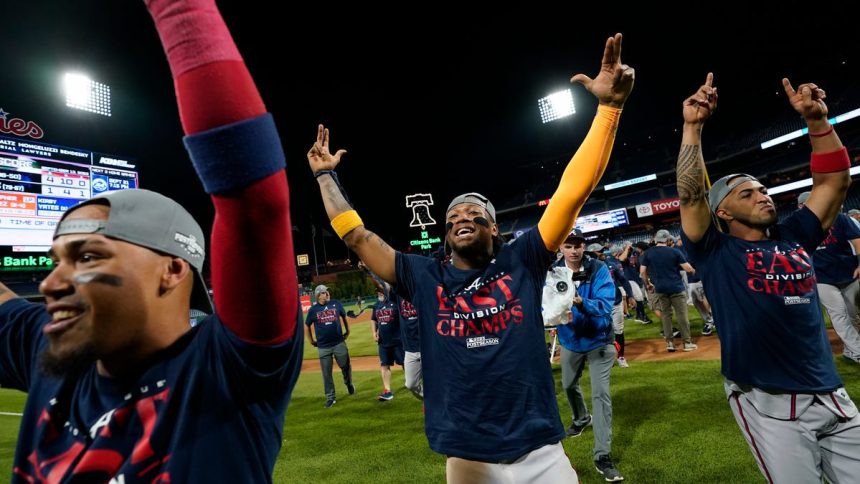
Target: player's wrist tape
{"points": [[823, 133], [830, 162], [333, 175], [346, 223]]}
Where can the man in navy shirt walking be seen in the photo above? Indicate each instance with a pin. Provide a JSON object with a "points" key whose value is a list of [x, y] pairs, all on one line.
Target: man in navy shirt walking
{"points": [[325, 317], [781, 382], [660, 269]]}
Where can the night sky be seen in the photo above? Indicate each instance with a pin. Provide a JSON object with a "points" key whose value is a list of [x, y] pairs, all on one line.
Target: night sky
{"points": [[436, 91]]}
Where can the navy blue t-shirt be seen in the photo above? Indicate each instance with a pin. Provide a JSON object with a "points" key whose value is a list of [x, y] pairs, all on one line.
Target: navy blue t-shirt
{"points": [[772, 335], [631, 268], [409, 332], [488, 388], [326, 320], [664, 268], [387, 320], [834, 260], [170, 424], [618, 278], [691, 276]]}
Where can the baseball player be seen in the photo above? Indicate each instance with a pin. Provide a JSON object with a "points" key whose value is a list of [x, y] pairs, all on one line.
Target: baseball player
{"points": [[120, 387], [488, 389], [386, 333], [781, 382], [836, 272], [323, 323]]}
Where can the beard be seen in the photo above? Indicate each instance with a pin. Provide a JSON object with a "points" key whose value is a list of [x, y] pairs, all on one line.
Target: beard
{"points": [[762, 223], [70, 363], [476, 250]]}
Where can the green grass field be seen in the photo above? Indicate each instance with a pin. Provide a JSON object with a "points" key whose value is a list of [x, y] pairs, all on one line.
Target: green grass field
{"points": [[671, 424]]}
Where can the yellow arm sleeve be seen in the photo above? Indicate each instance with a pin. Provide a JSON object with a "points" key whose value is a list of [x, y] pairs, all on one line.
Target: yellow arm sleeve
{"points": [[579, 178]]}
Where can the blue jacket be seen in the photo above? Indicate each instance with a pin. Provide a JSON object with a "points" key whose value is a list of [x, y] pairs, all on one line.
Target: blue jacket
{"points": [[591, 327]]}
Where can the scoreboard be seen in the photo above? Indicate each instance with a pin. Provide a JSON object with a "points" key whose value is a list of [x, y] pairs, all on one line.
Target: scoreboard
{"points": [[39, 182], [602, 220]]}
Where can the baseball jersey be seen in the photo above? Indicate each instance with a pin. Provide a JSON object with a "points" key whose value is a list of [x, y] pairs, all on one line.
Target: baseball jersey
{"points": [[150, 427], [664, 266], [488, 388], [631, 268], [326, 321], [772, 334], [387, 322], [834, 260]]}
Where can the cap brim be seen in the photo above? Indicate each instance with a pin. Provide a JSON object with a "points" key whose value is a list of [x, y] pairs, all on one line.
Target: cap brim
{"points": [[200, 299]]}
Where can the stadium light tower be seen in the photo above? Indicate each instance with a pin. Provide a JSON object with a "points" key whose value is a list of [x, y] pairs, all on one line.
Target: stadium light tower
{"points": [[556, 106], [85, 94]]}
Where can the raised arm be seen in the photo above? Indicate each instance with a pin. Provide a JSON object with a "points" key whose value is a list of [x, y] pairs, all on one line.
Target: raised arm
{"points": [[830, 162], [695, 214], [373, 251], [611, 87], [237, 153]]}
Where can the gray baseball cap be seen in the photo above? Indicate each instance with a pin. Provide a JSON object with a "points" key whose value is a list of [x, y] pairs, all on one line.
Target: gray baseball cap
{"points": [[854, 211], [319, 290], [150, 220], [477, 199], [663, 236], [721, 188], [803, 197], [615, 249], [595, 247]]}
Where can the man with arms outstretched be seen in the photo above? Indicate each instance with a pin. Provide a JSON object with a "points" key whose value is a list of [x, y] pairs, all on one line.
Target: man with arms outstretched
{"points": [[488, 388]]}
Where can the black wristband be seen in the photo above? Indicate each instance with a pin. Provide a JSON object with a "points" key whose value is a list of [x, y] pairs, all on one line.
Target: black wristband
{"points": [[324, 172]]}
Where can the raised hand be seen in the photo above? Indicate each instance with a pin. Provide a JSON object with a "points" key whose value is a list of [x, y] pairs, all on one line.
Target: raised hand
{"points": [[319, 156], [699, 107], [808, 100], [615, 81]]}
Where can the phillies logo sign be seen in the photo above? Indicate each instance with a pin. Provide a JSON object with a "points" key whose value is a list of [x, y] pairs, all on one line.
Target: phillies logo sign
{"points": [[19, 127], [658, 207]]}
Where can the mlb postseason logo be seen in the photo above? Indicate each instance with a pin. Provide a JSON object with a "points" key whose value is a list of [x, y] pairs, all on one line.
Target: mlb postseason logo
{"points": [[791, 300], [481, 341]]}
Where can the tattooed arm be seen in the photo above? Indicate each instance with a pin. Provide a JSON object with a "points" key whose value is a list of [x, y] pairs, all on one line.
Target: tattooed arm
{"points": [[695, 214], [373, 251]]}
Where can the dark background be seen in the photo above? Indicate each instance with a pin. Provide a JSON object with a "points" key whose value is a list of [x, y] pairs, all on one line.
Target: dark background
{"points": [[426, 97]]}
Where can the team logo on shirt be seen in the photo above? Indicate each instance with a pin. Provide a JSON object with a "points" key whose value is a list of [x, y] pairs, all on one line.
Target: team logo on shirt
{"points": [[484, 309], [407, 310], [384, 315], [829, 240], [61, 452], [786, 273]]}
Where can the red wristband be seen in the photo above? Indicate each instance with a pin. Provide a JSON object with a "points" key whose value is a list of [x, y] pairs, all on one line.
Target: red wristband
{"points": [[823, 133], [830, 162]]}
